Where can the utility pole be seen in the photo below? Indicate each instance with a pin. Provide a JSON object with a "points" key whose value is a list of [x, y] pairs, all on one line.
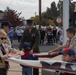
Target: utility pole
{"points": [[39, 13]]}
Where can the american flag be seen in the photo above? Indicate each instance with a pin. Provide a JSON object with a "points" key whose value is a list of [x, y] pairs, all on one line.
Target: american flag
{"points": [[47, 64]]}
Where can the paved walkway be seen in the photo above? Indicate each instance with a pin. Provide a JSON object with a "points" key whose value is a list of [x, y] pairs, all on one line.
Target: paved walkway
{"points": [[15, 69]]}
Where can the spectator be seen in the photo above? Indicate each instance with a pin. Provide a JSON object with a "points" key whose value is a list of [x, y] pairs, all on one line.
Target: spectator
{"points": [[60, 33], [19, 34], [49, 36], [60, 40], [54, 32], [42, 35], [11, 34]]}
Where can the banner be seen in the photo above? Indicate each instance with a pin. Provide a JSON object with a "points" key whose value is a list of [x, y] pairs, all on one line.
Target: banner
{"points": [[47, 64]]}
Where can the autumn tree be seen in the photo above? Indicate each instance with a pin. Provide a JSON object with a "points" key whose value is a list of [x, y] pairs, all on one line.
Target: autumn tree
{"points": [[45, 22], [13, 17], [51, 22], [36, 19]]}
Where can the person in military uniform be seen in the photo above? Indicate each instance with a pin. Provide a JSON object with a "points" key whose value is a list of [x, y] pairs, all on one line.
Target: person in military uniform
{"points": [[31, 35], [71, 43]]}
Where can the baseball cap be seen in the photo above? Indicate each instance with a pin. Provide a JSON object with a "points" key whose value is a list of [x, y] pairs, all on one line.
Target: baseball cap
{"points": [[69, 51], [29, 22], [26, 44], [6, 23]]}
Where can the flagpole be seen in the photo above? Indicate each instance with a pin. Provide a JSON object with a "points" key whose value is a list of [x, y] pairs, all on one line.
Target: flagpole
{"points": [[65, 18]]}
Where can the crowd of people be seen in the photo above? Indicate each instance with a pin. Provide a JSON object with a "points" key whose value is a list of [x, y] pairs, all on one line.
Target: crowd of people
{"points": [[29, 41], [51, 35], [46, 36]]}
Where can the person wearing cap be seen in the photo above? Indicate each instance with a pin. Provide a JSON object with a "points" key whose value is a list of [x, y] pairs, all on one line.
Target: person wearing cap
{"points": [[71, 43], [68, 56], [31, 35], [5, 53], [27, 56], [5, 27]]}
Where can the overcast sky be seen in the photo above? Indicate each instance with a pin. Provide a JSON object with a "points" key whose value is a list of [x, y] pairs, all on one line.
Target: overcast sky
{"points": [[27, 7]]}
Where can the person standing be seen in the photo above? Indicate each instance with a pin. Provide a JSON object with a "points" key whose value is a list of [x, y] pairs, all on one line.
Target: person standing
{"points": [[19, 34], [49, 36], [5, 27], [11, 34], [54, 34], [31, 35], [42, 35]]}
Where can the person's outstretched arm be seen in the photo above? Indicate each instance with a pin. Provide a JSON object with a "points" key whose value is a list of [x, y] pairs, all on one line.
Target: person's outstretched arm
{"points": [[60, 47], [56, 49]]}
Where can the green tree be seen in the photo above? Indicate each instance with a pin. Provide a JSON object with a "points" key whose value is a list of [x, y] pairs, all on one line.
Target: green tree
{"points": [[53, 10], [44, 15], [48, 13], [60, 8]]}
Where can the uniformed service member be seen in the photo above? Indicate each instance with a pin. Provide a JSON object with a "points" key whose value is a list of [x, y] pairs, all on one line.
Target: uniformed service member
{"points": [[31, 35], [71, 43]]}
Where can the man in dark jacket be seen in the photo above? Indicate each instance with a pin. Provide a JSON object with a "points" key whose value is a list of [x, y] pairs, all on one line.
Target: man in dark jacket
{"points": [[31, 35]]}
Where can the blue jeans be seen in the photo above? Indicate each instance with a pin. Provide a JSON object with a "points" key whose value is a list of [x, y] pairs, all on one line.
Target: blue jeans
{"points": [[11, 39], [26, 71]]}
